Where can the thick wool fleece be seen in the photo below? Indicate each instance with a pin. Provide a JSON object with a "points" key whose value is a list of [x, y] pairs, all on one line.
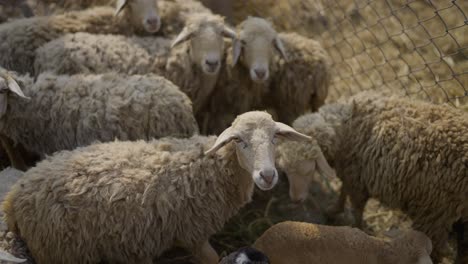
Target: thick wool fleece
{"points": [[20, 38], [70, 111], [126, 202], [296, 242], [408, 154], [98, 53]]}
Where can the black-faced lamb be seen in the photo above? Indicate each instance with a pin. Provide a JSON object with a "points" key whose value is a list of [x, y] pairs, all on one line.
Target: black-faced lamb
{"points": [[245, 255], [299, 243], [65, 112], [128, 202], [408, 154], [287, 87]]}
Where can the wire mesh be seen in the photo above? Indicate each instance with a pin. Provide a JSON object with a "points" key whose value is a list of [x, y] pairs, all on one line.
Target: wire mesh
{"points": [[417, 48]]}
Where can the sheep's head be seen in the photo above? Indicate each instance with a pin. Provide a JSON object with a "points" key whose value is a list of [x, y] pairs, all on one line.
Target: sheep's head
{"points": [[206, 46], [417, 245], [257, 43], [254, 135], [8, 85], [300, 161], [144, 12], [246, 255]]}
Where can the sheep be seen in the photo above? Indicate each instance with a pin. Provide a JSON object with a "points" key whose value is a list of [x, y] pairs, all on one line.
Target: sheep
{"points": [[87, 53], [245, 255], [65, 112], [20, 38], [298, 82], [297, 243], [197, 73], [193, 66], [130, 201], [410, 155]]}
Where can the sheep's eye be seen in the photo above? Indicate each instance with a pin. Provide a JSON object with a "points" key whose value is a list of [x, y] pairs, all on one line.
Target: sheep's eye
{"points": [[241, 142], [274, 140]]}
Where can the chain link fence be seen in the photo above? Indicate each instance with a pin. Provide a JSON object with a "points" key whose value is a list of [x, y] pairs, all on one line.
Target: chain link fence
{"points": [[417, 48]]}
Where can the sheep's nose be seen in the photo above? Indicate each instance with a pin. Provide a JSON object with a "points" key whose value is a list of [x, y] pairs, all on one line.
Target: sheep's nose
{"points": [[154, 22], [261, 73], [212, 63], [268, 175]]}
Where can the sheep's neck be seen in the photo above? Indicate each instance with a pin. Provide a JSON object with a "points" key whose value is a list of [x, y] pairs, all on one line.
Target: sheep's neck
{"points": [[244, 185]]}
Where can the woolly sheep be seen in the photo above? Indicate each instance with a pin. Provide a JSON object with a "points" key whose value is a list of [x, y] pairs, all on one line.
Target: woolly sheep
{"points": [[246, 255], [408, 154], [286, 87], [197, 73], [20, 38], [65, 112], [130, 201], [298, 243], [193, 66], [87, 53]]}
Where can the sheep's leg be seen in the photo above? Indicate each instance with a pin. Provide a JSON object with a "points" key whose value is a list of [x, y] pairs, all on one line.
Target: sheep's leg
{"points": [[462, 241], [338, 207], [205, 254], [359, 200], [15, 157]]}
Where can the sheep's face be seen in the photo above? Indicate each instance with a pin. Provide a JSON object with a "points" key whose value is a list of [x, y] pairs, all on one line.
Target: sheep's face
{"points": [[300, 162], [207, 49], [142, 12], [256, 48], [206, 43], [254, 135]]}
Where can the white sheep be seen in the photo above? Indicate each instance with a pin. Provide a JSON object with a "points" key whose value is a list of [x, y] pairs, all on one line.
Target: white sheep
{"points": [[193, 66], [299, 243], [286, 87], [20, 38], [87, 53], [65, 112], [408, 154], [128, 202]]}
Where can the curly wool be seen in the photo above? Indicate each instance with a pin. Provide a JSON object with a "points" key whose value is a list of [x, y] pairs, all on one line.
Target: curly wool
{"points": [[301, 83], [408, 154], [297, 242], [97, 53], [20, 38], [126, 202], [70, 111]]}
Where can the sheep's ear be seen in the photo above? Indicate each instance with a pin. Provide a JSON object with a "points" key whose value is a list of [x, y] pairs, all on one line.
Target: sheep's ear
{"points": [[236, 51], [425, 259], [280, 47], [323, 166], [288, 132], [183, 36], [229, 33], [15, 88], [222, 140], [10, 258], [120, 6]]}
